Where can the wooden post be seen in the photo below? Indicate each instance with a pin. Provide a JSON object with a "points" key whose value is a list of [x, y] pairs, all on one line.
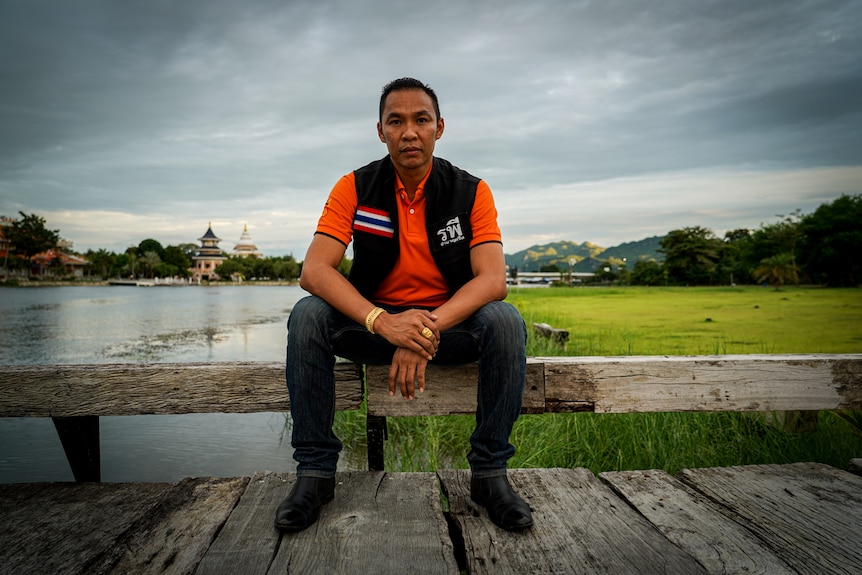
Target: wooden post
{"points": [[801, 421], [80, 439], [376, 432]]}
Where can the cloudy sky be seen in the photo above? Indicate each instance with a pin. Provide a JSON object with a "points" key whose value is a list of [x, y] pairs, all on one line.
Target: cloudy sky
{"points": [[601, 121]]}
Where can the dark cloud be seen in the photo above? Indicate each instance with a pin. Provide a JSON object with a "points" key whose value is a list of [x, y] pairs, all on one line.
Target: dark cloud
{"points": [[148, 107]]}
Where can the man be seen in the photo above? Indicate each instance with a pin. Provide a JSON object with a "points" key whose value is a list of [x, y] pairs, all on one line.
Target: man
{"points": [[426, 285]]}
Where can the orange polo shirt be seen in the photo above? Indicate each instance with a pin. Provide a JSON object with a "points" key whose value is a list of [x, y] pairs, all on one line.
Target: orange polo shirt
{"points": [[415, 279]]}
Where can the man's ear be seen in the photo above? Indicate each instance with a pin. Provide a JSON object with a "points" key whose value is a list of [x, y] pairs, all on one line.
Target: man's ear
{"points": [[380, 133], [440, 127]]}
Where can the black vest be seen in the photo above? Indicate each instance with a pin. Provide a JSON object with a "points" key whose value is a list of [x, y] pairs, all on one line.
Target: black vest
{"points": [[449, 196]]}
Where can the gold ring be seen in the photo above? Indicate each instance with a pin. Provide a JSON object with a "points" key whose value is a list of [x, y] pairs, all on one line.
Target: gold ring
{"points": [[427, 333]]}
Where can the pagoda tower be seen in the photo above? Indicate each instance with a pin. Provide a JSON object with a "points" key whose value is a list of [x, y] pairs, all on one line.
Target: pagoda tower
{"points": [[245, 247], [208, 257]]}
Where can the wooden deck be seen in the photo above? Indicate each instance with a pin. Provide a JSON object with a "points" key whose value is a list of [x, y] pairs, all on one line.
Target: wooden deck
{"points": [[771, 519]]}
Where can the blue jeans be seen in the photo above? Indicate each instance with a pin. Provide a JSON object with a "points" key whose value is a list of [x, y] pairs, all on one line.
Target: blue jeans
{"points": [[495, 336]]}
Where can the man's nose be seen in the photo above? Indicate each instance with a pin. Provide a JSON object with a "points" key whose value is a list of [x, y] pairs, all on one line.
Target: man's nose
{"points": [[409, 131]]}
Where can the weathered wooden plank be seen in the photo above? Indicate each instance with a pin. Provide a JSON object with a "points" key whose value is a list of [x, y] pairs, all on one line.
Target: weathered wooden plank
{"points": [[65, 527], [378, 523], [706, 383], [96, 528], [729, 519], [602, 384], [695, 524], [173, 538], [248, 541], [449, 390], [580, 527], [808, 513], [132, 389]]}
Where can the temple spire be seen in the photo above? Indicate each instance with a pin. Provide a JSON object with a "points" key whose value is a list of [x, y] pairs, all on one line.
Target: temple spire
{"points": [[246, 246]]}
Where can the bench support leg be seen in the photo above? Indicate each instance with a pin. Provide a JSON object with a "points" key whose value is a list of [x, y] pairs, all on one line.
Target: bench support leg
{"points": [[376, 432], [80, 439]]}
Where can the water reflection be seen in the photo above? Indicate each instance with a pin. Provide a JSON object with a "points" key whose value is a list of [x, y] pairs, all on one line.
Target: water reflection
{"points": [[118, 325], [110, 324]]}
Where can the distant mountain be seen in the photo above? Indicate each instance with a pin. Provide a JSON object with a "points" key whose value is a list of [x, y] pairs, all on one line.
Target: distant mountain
{"points": [[632, 252], [588, 256]]}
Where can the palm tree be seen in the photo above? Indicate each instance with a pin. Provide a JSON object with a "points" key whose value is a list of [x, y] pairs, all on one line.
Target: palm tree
{"points": [[149, 261], [777, 270]]}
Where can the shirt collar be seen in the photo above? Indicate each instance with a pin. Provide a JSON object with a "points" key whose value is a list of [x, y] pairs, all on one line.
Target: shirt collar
{"points": [[420, 189]]}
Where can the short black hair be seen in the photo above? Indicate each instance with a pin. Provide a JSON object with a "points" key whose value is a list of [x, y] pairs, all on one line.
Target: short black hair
{"points": [[408, 84]]}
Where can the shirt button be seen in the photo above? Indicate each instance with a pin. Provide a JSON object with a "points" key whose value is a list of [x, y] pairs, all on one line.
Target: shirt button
{"points": [[412, 210]]}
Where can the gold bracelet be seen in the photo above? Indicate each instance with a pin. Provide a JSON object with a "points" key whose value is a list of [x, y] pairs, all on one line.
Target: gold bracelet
{"points": [[372, 315]]}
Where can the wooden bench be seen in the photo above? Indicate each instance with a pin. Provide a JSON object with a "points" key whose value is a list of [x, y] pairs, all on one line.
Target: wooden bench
{"points": [[75, 396]]}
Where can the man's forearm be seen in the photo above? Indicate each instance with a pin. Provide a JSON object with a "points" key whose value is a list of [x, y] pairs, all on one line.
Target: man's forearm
{"points": [[468, 300], [331, 286]]}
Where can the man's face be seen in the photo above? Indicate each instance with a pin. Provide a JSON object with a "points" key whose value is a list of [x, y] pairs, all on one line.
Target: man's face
{"points": [[409, 128]]}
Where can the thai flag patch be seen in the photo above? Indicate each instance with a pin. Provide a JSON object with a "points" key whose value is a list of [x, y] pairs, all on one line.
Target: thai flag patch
{"points": [[373, 221]]}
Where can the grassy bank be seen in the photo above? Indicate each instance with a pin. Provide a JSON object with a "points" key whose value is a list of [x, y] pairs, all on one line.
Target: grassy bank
{"points": [[653, 321], [698, 321]]}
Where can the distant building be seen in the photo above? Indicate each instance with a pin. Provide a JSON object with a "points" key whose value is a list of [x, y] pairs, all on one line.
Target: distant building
{"points": [[207, 258], [54, 262], [245, 247]]}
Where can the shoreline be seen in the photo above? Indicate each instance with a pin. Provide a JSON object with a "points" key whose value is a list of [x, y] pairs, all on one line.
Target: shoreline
{"points": [[104, 283]]}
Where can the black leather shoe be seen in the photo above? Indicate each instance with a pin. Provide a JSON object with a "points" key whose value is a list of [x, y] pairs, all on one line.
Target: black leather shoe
{"points": [[301, 508], [505, 507]]}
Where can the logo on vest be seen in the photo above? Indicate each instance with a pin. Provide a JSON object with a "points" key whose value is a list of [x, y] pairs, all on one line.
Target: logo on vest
{"points": [[451, 233]]}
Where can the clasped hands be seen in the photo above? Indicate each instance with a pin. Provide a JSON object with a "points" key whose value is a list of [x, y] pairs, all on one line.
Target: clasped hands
{"points": [[416, 337]]}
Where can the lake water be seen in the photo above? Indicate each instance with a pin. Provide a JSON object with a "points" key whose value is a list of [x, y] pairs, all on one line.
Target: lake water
{"points": [[113, 324]]}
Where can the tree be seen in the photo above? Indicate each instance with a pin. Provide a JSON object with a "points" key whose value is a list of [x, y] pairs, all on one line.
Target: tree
{"points": [[606, 273], [188, 249], [286, 268], [770, 240], [233, 265], [731, 266], [129, 263], [648, 273], [30, 236], [148, 262], [831, 242], [151, 245], [177, 256], [690, 255], [787, 233], [163, 270], [263, 268], [102, 262], [777, 270]]}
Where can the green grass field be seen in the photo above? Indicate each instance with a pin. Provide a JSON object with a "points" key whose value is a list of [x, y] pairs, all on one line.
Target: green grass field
{"points": [[653, 321], [697, 321]]}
